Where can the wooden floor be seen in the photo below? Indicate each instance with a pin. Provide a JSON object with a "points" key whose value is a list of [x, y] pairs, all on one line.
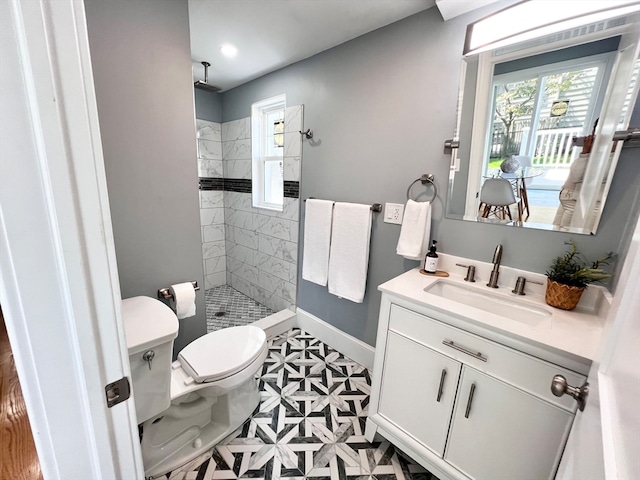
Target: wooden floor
{"points": [[18, 457]]}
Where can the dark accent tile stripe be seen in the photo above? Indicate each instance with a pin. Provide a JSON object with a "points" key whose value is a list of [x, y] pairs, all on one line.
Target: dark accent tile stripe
{"points": [[291, 189], [243, 185], [237, 185], [211, 183]]}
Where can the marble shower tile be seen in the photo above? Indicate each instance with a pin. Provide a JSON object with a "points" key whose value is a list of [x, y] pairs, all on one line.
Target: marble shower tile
{"points": [[241, 236], [240, 253], [207, 130], [210, 168], [293, 118], [236, 129], [215, 264], [215, 280], [236, 150], [211, 198], [213, 249], [209, 149], [213, 233], [237, 169], [292, 169], [211, 216]]}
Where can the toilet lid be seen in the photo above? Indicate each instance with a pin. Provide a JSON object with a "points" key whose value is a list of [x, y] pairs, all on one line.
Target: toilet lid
{"points": [[222, 353]]}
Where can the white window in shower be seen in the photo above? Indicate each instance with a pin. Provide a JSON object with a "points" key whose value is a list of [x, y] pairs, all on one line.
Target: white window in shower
{"points": [[267, 148]]}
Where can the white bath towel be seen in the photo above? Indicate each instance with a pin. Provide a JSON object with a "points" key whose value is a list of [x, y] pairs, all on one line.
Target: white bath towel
{"points": [[349, 257], [317, 238], [415, 231]]}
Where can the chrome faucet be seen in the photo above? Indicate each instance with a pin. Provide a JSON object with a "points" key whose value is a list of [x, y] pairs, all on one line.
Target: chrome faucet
{"points": [[493, 279]]}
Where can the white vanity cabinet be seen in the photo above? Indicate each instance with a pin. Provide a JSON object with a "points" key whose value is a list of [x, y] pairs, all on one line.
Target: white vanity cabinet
{"points": [[463, 405]]}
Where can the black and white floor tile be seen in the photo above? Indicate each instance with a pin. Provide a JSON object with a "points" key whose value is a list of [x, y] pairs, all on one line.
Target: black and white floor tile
{"points": [[309, 424], [227, 307]]}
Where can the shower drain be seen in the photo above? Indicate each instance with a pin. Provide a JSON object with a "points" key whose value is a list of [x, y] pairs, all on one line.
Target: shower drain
{"points": [[220, 314]]}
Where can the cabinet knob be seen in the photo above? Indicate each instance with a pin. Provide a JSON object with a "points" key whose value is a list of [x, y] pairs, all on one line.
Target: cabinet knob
{"points": [[559, 387]]}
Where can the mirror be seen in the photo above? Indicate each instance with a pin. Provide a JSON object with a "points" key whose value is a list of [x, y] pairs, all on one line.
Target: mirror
{"points": [[541, 115]]}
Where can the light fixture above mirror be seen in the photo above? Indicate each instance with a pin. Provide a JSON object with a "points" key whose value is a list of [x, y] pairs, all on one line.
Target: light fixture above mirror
{"points": [[533, 19]]}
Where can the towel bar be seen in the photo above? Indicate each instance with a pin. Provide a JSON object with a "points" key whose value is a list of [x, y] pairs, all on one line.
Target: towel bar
{"points": [[165, 293], [424, 179], [376, 207]]}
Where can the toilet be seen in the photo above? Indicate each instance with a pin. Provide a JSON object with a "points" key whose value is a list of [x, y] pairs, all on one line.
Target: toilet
{"points": [[188, 406]]}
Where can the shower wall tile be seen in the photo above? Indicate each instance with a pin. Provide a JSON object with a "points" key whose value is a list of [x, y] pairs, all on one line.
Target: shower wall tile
{"points": [[213, 249], [240, 253], [211, 216], [236, 129], [210, 168], [209, 149], [292, 169], [213, 233], [240, 236], [292, 144], [236, 150], [211, 198], [212, 280], [293, 119], [215, 265], [206, 130], [237, 169]]}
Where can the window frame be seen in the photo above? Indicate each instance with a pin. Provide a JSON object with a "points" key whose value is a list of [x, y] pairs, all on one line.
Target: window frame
{"points": [[260, 112]]}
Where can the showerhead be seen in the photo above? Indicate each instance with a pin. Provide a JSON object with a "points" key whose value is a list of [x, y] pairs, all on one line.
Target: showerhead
{"points": [[204, 85]]}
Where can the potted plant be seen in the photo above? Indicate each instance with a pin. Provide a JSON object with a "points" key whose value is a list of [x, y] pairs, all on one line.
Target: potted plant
{"points": [[569, 275]]}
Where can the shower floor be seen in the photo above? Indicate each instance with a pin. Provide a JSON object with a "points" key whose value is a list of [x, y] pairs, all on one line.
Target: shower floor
{"points": [[237, 308]]}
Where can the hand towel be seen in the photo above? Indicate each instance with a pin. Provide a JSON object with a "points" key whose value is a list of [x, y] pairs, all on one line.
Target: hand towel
{"points": [[317, 238], [349, 253], [415, 231]]}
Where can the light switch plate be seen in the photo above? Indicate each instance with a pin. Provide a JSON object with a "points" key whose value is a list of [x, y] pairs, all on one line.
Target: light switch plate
{"points": [[393, 213]]}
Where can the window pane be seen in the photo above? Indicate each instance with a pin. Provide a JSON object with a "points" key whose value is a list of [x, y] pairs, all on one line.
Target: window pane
{"points": [[273, 182]]}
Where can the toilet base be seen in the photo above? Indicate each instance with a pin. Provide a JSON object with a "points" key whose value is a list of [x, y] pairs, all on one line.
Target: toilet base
{"points": [[184, 431]]}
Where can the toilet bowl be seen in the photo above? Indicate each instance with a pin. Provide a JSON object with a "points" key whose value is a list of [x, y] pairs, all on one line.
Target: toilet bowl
{"points": [[187, 406]]}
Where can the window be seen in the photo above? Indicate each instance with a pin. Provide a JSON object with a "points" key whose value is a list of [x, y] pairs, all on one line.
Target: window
{"points": [[267, 148]]}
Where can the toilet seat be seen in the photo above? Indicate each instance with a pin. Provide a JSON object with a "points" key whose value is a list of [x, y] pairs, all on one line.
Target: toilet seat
{"points": [[222, 353]]}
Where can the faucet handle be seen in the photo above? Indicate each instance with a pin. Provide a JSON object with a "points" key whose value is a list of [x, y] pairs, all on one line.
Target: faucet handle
{"points": [[471, 272], [520, 283]]}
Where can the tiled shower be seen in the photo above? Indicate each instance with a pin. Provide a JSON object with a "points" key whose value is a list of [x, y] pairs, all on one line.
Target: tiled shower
{"points": [[252, 250]]}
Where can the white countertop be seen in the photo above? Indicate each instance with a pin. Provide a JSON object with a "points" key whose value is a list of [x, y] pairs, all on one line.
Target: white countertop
{"points": [[574, 334]]}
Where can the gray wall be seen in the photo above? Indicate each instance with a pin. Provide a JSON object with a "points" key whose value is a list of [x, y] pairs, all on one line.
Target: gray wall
{"points": [[142, 67], [381, 107], [208, 105]]}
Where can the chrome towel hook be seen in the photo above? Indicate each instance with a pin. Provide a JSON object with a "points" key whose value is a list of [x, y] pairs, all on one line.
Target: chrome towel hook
{"points": [[308, 133]]}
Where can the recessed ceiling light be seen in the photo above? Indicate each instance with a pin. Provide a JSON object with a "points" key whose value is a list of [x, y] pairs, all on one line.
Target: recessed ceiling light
{"points": [[229, 50]]}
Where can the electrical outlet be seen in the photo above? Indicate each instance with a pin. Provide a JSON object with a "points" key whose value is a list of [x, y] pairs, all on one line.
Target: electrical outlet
{"points": [[393, 213]]}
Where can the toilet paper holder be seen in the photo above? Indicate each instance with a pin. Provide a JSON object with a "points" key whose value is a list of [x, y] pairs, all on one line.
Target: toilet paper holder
{"points": [[166, 294]]}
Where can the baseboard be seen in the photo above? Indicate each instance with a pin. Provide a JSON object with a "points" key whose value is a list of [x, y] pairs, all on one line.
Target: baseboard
{"points": [[278, 323], [346, 344]]}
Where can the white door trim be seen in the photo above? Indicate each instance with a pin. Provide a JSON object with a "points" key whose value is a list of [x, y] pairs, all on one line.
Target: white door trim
{"points": [[60, 289]]}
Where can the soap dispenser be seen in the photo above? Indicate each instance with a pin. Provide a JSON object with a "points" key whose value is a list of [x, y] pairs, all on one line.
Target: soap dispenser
{"points": [[431, 260]]}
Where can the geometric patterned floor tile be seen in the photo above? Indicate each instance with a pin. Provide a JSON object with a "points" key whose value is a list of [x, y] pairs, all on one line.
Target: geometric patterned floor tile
{"points": [[309, 423]]}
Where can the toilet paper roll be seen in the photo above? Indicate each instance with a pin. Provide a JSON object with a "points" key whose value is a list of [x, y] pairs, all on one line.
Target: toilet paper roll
{"points": [[184, 299]]}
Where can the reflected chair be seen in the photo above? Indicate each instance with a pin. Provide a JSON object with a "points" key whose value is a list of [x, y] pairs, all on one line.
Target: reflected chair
{"points": [[522, 184], [496, 195]]}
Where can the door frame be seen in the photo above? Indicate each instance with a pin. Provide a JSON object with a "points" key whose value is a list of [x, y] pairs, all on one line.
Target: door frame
{"points": [[59, 286]]}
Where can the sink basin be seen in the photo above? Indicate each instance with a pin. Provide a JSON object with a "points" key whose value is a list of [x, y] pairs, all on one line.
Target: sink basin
{"points": [[484, 299]]}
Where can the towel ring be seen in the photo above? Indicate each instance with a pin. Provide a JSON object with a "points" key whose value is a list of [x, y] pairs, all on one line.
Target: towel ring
{"points": [[424, 179]]}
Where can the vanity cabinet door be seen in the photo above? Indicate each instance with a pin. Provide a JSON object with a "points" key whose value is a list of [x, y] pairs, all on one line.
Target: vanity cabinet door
{"points": [[501, 432], [417, 390]]}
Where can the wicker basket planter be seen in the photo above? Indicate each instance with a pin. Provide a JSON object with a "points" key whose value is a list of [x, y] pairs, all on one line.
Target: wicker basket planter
{"points": [[562, 296]]}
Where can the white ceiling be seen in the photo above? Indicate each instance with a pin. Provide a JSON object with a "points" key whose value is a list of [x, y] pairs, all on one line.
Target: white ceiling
{"points": [[271, 34]]}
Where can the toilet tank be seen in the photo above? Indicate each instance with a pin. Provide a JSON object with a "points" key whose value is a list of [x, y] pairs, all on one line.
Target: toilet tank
{"points": [[150, 326]]}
